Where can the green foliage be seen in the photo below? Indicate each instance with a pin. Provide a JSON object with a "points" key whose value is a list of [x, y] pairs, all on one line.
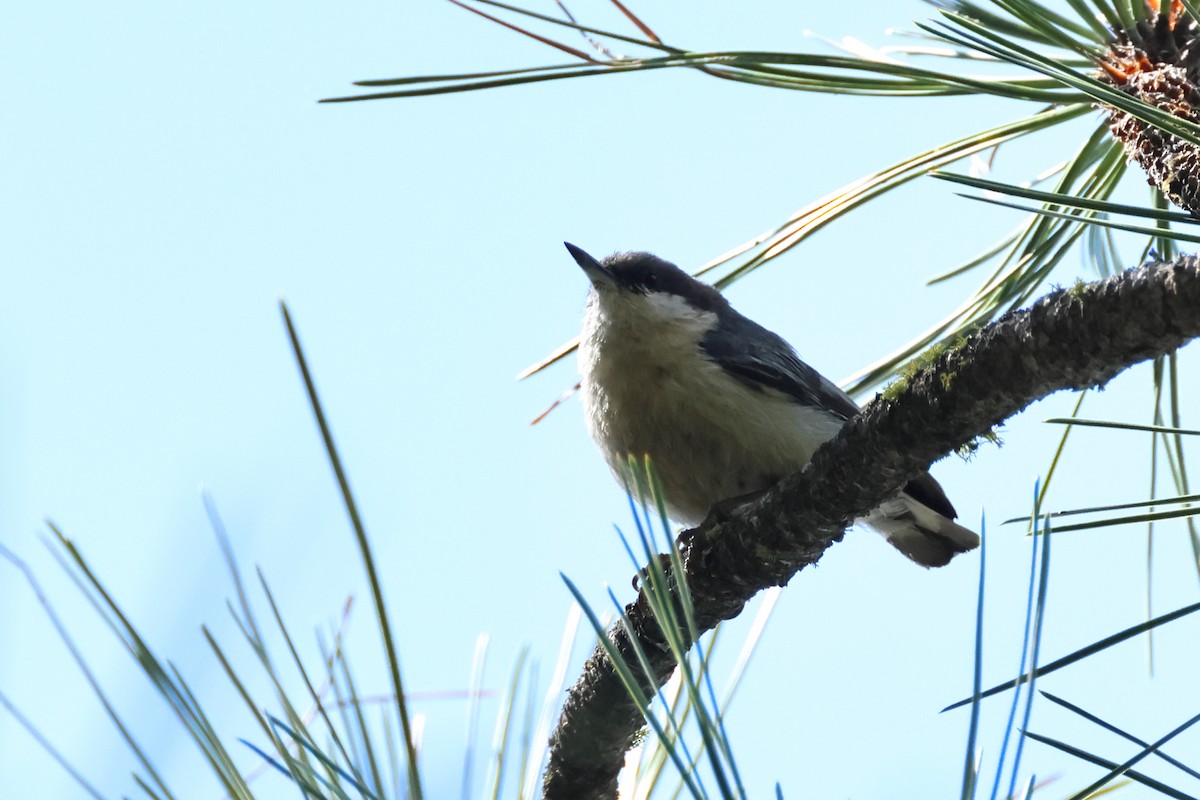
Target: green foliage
{"points": [[339, 750], [1019, 51], [1056, 56], [329, 751], [690, 695]]}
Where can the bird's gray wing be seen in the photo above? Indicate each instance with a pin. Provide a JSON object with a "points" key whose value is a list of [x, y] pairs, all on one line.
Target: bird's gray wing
{"points": [[761, 359]]}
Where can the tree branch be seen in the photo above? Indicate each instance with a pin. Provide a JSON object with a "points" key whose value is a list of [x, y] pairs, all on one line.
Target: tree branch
{"points": [[1070, 339]]}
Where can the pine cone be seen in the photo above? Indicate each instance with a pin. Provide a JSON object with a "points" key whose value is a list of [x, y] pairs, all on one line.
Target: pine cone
{"points": [[1159, 63]]}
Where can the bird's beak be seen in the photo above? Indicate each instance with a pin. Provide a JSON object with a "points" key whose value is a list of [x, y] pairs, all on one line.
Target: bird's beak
{"points": [[597, 273]]}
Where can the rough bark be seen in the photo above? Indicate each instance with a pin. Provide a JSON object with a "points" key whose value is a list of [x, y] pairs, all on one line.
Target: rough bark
{"points": [[1070, 339]]}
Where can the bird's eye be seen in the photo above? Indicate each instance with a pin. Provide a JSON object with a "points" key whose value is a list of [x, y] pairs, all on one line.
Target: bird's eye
{"points": [[650, 280]]}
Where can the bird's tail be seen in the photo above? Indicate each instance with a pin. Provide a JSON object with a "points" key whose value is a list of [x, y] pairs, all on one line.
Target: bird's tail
{"points": [[925, 536]]}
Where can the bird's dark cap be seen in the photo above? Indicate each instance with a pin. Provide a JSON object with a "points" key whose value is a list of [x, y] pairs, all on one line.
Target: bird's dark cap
{"points": [[643, 273]]}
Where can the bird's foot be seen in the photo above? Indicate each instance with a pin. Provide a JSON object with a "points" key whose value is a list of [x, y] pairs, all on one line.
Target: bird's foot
{"points": [[643, 575], [722, 511]]}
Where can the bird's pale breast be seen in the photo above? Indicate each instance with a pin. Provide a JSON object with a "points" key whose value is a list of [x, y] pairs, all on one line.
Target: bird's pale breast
{"points": [[710, 436]]}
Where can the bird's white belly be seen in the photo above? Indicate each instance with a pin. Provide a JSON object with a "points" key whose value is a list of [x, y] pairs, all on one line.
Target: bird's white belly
{"points": [[710, 437]]}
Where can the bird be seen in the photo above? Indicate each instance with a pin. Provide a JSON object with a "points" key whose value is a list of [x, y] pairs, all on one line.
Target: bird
{"points": [[723, 407]]}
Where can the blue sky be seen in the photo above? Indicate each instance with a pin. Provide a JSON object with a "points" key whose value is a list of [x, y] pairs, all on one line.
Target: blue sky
{"points": [[170, 177]]}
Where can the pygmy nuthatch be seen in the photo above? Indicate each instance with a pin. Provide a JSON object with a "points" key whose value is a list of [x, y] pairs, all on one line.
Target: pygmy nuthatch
{"points": [[723, 406]]}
